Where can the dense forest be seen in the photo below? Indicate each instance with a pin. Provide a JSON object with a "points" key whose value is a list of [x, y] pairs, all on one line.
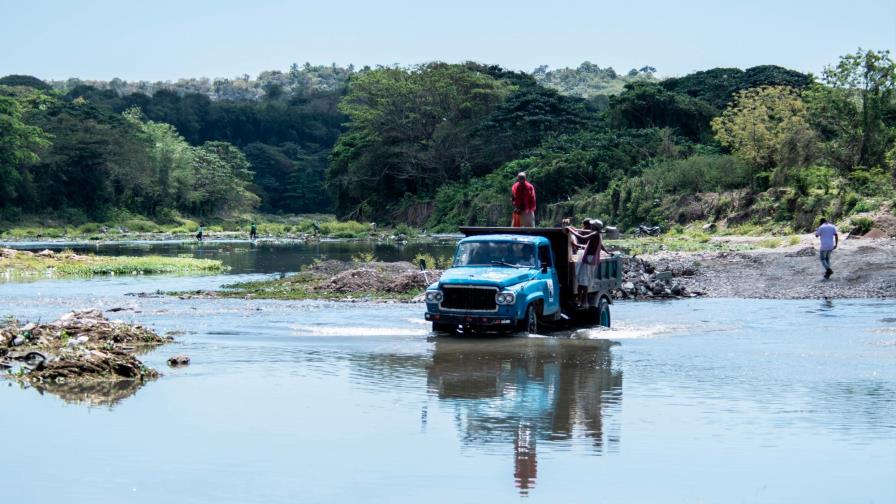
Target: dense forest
{"points": [[437, 145]]}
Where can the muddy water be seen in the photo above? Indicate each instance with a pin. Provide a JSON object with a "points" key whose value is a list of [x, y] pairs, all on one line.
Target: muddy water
{"points": [[689, 401]]}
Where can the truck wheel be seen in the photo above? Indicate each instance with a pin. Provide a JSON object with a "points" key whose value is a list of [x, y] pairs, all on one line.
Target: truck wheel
{"points": [[442, 327], [603, 311], [530, 323]]}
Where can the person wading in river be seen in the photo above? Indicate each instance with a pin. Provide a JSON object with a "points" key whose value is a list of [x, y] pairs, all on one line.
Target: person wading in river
{"points": [[522, 197], [590, 240], [827, 235]]}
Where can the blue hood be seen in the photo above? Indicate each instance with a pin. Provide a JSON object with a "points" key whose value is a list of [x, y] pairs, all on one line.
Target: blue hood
{"points": [[487, 275]]}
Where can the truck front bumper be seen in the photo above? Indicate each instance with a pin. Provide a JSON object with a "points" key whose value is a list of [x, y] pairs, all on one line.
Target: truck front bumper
{"points": [[491, 320]]}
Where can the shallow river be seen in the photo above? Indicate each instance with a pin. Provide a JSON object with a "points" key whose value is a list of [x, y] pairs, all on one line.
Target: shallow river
{"points": [[688, 401]]}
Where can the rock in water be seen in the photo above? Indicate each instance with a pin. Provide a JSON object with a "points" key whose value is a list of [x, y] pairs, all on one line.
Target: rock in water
{"points": [[178, 360]]}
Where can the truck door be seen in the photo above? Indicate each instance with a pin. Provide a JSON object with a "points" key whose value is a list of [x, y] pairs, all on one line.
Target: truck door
{"points": [[551, 285]]}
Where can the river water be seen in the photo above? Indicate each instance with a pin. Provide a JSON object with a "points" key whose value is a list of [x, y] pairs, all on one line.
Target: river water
{"points": [[688, 401]]}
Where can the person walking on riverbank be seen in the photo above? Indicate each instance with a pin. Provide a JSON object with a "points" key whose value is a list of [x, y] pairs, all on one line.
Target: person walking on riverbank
{"points": [[829, 239], [253, 231], [199, 233], [522, 197]]}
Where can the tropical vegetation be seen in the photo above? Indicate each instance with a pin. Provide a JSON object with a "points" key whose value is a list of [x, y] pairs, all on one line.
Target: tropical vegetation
{"points": [[437, 145]]}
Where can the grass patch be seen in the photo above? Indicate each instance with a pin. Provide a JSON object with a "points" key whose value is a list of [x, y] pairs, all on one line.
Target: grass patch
{"points": [[347, 229], [677, 243], [67, 264]]}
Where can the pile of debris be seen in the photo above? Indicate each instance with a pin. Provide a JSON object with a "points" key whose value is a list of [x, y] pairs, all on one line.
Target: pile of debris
{"points": [[8, 253], [81, 345], [642, 279], [400, 277]]}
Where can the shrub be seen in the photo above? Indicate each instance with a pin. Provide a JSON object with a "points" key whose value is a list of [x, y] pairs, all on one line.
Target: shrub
{"points": [[861, 225], [700, 173], [405, 230], [433, 262], [141, 226], [347, 229], [89, 228]]}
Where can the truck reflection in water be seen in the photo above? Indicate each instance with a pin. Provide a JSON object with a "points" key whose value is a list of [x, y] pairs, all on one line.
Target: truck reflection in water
{"points": [[525, 391]]}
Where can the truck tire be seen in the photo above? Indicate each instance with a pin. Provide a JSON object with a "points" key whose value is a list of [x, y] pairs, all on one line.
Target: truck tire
{"points": [[530, 322], [603, 312], [442, 327]]}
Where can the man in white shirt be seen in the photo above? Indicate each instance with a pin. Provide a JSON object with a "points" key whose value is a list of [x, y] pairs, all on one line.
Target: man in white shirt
{"points": [[827, 234]]}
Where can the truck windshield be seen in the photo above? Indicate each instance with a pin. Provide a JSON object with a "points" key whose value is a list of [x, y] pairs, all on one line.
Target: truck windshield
{"points": [[495, 253]]}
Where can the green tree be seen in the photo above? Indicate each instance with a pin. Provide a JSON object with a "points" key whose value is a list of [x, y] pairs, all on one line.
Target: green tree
{"points": [[408, 132], [19, 145], [856, 110], [649, 105], [221, 180], [768, 127], [25, 81]]}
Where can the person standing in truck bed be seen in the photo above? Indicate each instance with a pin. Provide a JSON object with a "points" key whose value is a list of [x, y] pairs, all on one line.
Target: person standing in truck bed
{"points": [[588, 238], [522, 196]]}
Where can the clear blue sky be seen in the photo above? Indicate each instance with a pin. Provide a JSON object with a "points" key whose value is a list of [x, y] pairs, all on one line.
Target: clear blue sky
{"points": [[164, 39]]}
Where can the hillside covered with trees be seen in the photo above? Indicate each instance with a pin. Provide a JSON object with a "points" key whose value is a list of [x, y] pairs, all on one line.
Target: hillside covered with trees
{"points": [[437, 145]]}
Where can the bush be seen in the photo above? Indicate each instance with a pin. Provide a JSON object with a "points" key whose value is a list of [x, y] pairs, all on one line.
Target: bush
{"points": [[769, 243], [701, 173], [861, 225], [870, 181], [406, 230], [347, 229], [433, 262], [89, 228], [141, 226]]}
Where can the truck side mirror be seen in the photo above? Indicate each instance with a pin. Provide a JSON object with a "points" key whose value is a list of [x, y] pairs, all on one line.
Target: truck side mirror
{"points": [[544, 266]]}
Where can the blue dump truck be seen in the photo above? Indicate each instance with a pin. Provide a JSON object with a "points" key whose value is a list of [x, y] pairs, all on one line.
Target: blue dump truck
{"points": [[516, 279]]}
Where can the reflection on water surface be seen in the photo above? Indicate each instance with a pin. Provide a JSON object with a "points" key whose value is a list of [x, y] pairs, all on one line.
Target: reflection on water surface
{"points": [[92, 393], [523, 391], [284, 401]]}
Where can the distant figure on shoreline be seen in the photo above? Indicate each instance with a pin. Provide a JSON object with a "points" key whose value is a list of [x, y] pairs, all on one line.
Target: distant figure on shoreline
{"points": [[199, 233], [253, 231], [522, 197], [829, 239]]}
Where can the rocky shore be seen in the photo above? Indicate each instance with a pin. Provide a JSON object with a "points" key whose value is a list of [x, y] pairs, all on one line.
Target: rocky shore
{"points": [[863, 268]]}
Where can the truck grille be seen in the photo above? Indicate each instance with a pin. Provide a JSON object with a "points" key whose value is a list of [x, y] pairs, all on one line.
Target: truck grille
{"points": [[469, 298]]}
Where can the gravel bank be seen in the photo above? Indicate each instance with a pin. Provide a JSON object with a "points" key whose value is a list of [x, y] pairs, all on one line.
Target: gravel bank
{"points": [[863, 268]]}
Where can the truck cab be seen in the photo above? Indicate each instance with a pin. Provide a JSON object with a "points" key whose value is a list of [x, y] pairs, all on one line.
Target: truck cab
{"points": [[506, 279]]}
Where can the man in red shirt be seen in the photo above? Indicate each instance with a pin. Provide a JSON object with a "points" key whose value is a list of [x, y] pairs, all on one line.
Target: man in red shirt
{"points": [[522, 196]]}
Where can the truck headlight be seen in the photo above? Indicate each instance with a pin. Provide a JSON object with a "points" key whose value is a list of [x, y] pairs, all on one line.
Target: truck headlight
{"points": [[434, 296], [505, 298]]}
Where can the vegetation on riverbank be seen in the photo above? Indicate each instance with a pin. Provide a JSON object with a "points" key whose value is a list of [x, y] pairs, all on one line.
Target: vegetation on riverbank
{"points": [[18, 264], [129, 227], [437, 145]]}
